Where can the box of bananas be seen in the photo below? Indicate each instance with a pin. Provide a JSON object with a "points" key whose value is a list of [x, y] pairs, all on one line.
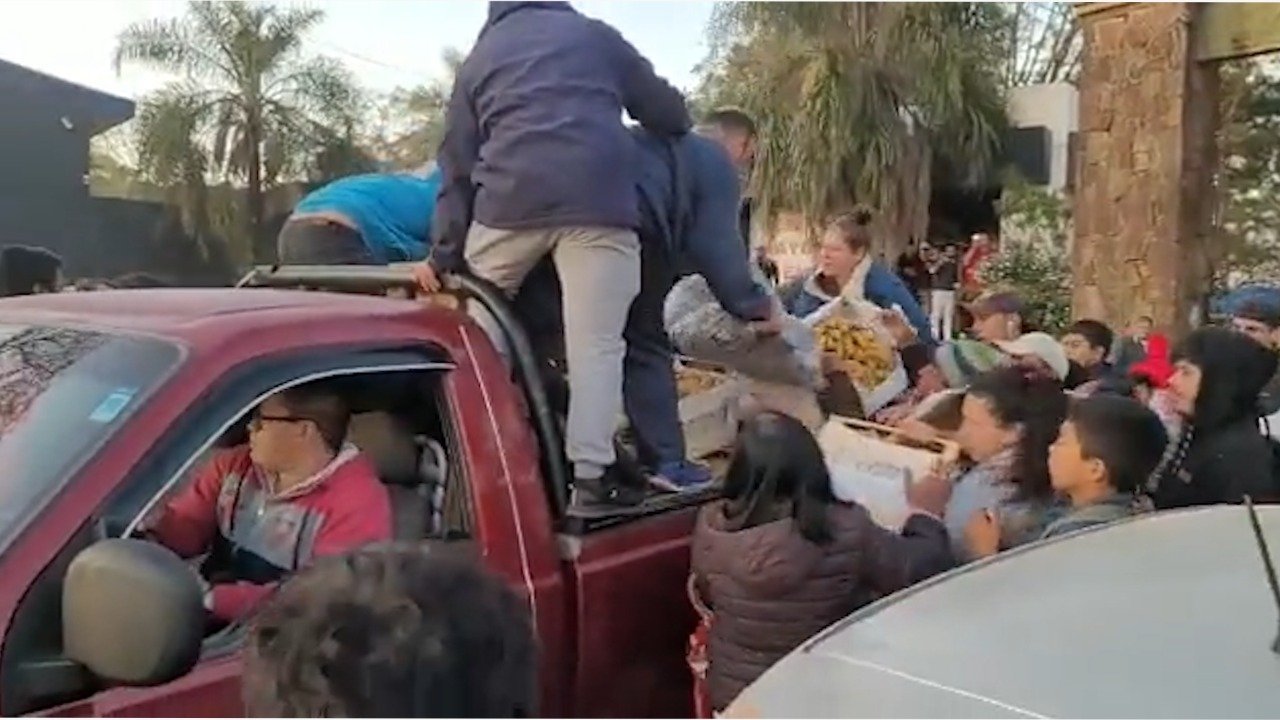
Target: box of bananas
{"points": [[850, 332], [708, 407]]}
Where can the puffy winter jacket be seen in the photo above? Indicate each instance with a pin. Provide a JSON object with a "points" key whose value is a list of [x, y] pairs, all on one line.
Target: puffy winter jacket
{"points": [[770, 589]]}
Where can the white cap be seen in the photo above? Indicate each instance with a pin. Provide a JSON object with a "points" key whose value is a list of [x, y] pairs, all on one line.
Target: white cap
{"points": [[1041, 345]]}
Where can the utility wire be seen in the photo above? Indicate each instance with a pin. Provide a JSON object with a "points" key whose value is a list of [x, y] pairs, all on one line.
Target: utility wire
{"points": [[418, 73]]}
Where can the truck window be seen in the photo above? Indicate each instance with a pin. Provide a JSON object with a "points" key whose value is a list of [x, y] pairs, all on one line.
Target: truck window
{"points": [[397, 423], [63, 393], [399, 420]]}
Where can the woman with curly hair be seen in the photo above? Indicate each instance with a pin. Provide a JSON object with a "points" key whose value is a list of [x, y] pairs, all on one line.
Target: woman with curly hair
{"points": [[392, 631]]}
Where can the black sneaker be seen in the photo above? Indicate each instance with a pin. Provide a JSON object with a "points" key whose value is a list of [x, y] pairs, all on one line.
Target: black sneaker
{"points": [[604, 497]]}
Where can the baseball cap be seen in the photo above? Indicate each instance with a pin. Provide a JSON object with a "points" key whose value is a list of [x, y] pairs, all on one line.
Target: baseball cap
{"points": [[999, 303], [1265, 313], [963, 360], [1040, 345]]}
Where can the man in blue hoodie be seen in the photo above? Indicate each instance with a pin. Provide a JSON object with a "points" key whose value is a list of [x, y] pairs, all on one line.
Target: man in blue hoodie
{"points": [[369, 219], [689, 212], [536, 161]]}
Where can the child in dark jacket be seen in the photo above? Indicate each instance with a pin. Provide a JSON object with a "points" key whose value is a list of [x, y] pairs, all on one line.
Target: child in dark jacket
{"points": [[1221, 454], [780, 558]]}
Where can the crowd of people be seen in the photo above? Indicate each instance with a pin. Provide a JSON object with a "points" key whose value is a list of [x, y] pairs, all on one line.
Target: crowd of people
{"points": [[1056, 435]]}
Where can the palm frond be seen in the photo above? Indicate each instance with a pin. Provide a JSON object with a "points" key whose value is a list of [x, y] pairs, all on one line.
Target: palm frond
{"points": [[167, 46], [857, 102]]}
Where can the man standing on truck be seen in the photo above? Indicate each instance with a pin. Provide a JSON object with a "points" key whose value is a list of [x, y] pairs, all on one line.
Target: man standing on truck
{"points": [[689, 199], [536, 161], [261, 511], [688, 224], [736, 132], [369, 219]]}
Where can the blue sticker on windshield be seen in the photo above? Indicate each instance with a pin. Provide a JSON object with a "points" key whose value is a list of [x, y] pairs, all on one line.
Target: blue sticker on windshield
{"points": [[112, 405]]}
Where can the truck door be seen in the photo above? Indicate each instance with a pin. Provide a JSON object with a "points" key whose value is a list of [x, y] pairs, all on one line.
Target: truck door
{"points": [[33, 642], [632, 615], [211, 690]]}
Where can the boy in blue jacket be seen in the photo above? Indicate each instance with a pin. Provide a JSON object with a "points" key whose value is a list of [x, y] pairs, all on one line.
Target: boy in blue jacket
{"points": [[537, 162]]}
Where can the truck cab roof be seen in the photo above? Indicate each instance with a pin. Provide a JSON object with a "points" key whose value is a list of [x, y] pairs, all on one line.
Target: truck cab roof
{"points": [[203, 315]]}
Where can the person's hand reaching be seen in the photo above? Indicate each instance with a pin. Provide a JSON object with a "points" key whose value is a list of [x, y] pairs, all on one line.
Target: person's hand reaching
{"points": [[426, 277], [982, 534], [898, 328], [770, 325], [929, 495]]}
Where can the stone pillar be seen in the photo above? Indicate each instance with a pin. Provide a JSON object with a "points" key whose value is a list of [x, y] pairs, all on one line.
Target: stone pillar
{"points": [[1145, 164]]}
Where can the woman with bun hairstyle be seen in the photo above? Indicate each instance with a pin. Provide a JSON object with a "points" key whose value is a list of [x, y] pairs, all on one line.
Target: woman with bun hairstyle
{"points": [[847, 268]]}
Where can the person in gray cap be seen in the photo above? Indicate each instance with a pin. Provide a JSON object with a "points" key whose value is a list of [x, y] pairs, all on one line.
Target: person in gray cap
{"points": [[998, 317]]}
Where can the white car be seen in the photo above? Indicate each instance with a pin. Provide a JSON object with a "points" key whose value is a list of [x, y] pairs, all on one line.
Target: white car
{"points": [[1167, 615]]}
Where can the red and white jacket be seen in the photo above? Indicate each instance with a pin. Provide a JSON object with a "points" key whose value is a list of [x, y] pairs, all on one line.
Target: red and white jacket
{"points": [[231, 509]]}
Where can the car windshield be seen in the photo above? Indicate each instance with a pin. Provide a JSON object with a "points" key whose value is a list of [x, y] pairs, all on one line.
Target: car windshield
{"points": [[63, 392]]}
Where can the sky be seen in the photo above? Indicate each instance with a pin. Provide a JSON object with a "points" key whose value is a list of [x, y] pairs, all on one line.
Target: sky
{"points": [[386, 43]]}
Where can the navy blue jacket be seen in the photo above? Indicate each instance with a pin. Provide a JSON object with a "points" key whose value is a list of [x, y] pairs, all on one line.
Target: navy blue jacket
{"points": [[533, 132], [689, 200]]}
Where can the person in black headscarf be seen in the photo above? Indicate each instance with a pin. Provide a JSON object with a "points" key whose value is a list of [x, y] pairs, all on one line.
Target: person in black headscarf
{"points": [[1221, 454], [29, 271]]}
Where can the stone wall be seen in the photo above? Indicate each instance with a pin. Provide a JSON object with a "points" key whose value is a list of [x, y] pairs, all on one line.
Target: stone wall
{"points": [[1146, 122]]}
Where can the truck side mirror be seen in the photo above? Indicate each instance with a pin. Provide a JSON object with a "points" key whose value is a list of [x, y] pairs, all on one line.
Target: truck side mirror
{"points": [[132, 613]]}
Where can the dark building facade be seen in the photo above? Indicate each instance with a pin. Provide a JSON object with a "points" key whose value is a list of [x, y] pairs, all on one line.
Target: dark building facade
{"points": [[45, 127]]}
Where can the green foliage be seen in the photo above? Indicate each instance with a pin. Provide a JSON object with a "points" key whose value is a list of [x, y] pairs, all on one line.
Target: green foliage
{"points": [[1042, 43], [859, 102], [1038, 212], [411, 120], [1033, 261], [1041, 275], [249, 106], [1247, 212]]}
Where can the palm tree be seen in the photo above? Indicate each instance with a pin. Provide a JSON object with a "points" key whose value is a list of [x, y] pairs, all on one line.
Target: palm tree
{"points": [[249, 105], [861, 102], [413, 118]]}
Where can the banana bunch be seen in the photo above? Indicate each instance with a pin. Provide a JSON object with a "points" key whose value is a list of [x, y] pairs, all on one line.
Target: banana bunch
{"points": [[867, 361], [691, 382]]}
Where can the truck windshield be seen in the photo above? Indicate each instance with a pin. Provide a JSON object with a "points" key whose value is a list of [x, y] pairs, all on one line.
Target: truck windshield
{"points": [[63, 392]]}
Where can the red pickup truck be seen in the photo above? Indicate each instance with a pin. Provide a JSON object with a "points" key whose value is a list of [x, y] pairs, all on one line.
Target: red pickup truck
{"points": [[110, 400]]}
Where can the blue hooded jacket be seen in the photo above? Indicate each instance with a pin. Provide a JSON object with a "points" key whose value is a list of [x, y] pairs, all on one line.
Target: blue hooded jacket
{"points": [[533, 132], [689, 200]]}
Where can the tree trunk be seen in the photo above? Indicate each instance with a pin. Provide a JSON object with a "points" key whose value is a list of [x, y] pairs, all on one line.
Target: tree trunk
{"points": [[263, 248]]}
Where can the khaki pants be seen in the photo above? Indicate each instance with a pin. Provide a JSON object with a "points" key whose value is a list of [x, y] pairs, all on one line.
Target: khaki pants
{"points": [[599, 272]]}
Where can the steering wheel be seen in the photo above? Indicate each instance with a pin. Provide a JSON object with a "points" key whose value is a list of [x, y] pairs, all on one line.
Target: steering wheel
{"points": [[110, 528]]}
